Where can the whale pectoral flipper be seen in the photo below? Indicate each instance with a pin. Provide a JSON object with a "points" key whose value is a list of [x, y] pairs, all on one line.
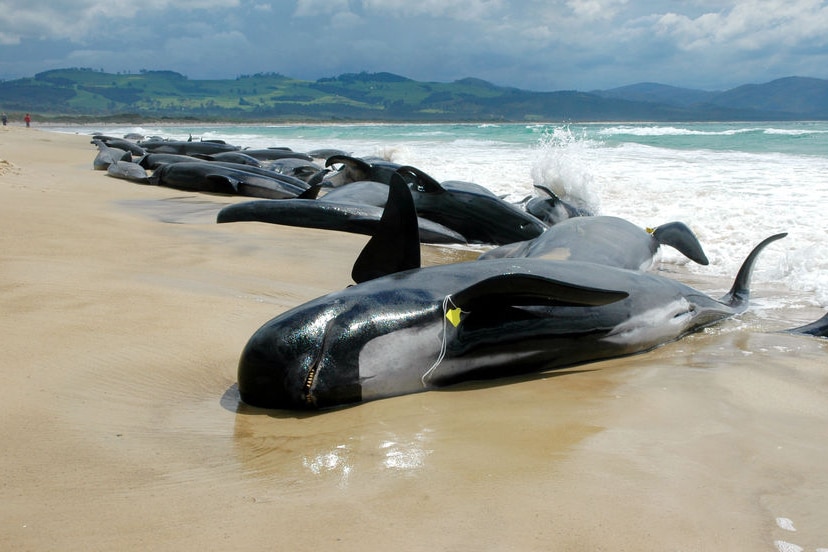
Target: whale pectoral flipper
{"points": [[224, 181], [530, 289]]}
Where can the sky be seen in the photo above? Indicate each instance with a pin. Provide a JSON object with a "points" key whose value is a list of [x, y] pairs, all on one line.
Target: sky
{"points": [[542, 45]]}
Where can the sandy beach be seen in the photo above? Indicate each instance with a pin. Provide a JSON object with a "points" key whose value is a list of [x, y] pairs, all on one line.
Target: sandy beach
{"points": [[123, 311]]}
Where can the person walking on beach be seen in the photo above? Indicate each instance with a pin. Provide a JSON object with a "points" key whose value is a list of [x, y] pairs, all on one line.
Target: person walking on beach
{"points": [[28, 119], [4, 118]]}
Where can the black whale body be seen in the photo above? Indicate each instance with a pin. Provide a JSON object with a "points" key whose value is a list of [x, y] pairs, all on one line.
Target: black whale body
{"points": [[467, 208], [328, 215], [451, 212], [406, 330], [226, 178]]}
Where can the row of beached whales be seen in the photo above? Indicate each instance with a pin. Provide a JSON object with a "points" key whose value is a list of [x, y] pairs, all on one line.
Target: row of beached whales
{"points": [[562, 286]]}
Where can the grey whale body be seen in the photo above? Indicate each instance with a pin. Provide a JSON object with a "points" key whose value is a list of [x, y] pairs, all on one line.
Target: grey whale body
{"points": [[605, 240]]}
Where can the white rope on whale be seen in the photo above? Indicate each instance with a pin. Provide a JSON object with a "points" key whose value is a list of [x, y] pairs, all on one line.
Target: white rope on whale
{"points": [[449, 315]]}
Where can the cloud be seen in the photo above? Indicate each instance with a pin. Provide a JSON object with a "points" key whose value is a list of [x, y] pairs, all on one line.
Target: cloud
{"points": [[591, 10], [751, 25], [193, 49], [77, 20], [463, 10], [537, 44], [318, 8]]}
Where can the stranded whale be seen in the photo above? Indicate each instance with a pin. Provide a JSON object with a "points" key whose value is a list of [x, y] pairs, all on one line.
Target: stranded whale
{"points": [[227, 178], [401, 332], [452, 212], [605, 240], [328, 215]]}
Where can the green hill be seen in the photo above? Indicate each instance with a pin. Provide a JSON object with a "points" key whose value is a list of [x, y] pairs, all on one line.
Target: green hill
{"points": [[80, 93]]}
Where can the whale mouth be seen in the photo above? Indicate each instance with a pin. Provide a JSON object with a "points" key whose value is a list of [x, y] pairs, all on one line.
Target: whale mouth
{"points": [[307, 388], [313, 369]]}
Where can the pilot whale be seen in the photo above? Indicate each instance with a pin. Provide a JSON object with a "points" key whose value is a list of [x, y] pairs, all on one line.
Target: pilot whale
{"points": [[458, 213], [605, 240], [410, 330], [107, 155], [328, 215], [227, 178]]}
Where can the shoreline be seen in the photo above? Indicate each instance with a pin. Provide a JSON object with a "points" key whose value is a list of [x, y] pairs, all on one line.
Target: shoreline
{"points": [[123, 428]]}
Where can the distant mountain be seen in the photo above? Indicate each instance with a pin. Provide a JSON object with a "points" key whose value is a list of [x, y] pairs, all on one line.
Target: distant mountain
{"points": [[803, 96], [80, 93], [652, 92], [790, 97]]}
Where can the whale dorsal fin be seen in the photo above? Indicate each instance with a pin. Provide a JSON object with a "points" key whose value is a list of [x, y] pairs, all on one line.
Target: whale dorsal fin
{"points": [[311, 193], [739, 294], [395, 245]]}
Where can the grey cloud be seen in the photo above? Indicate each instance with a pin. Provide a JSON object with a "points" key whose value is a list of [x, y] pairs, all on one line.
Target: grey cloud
{"points": [[537, 44]]}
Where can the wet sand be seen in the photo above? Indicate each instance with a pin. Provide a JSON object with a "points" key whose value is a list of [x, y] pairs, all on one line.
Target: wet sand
{"points": [[123, 312]]}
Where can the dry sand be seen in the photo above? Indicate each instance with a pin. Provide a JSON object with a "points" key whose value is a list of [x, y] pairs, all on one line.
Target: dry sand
{"points": [[123, 309]]}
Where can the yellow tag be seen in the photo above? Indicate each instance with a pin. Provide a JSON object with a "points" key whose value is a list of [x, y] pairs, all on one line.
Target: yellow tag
{"points": [[453, 316], [650, 230]]}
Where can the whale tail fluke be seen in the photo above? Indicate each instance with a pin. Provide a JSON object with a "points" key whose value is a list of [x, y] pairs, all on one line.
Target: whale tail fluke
{"points": [[395, 245], [422, 181], [680, 237], [355, 168], [739, 294]]}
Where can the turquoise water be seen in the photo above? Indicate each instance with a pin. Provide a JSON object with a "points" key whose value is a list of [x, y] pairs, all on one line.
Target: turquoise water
{"points": [[802, 138]]}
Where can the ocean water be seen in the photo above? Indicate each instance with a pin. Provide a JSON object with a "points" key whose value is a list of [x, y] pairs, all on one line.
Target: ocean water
{"points": [[732, 183]]}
